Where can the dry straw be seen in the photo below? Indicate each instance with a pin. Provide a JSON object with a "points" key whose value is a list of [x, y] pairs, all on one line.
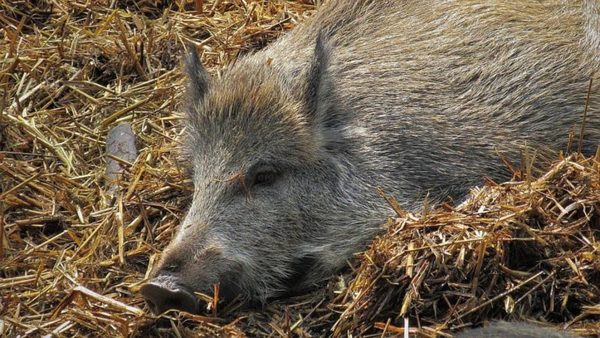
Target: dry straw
{"points": [[73, 252]]}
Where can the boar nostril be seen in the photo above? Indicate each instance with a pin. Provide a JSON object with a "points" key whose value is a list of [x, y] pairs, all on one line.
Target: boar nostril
{"points": [[164, 294]]}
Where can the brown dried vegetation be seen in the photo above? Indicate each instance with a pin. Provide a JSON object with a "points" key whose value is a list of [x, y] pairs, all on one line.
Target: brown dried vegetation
{"points": [[72, 255]]}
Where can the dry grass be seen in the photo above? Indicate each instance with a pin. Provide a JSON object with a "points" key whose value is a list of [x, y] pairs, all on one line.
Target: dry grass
{"points": [[73, 252], [524, 249]]}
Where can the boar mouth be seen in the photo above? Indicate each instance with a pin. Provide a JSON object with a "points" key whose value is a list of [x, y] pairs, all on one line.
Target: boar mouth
{"points": [[165, 293]]}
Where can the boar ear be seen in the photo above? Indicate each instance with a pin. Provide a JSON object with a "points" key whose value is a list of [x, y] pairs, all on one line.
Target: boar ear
{"points": [[198, 78], [317, 85]]}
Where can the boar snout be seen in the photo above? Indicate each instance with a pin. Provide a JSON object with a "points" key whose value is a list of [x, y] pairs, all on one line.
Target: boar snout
{"points": [[169, 286], [183, 271], [166, 292]]}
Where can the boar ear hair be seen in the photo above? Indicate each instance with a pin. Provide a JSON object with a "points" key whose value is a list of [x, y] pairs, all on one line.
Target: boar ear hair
{"points": [[197, 75], [317, 80]]}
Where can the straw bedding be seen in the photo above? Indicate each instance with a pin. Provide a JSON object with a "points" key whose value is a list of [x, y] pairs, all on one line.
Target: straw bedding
{"points": [[75, 247]]}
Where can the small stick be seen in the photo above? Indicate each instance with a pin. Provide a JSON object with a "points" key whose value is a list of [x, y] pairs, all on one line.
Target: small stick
{"points": [[199, 4], [1, 230], [215, 299], [120, 231], [503, 294], [535, 287], [129, 50], [107, 300], [22, 183], [585, 111]]}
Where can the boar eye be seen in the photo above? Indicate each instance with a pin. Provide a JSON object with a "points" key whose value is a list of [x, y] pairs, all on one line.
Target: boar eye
{"points": [[261, 174], [264, 178]]}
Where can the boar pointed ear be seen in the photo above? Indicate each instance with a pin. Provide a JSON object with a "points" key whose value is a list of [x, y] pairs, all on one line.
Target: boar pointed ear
{"points": [[317, 85], [198, 78]]}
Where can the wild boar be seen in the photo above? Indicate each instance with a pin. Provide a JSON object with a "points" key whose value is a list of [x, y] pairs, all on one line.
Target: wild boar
{"points": [[418, 98]]}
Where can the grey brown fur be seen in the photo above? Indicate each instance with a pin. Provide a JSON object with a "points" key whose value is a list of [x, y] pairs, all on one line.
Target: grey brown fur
{"points": [[513, 330], [416, 97]]}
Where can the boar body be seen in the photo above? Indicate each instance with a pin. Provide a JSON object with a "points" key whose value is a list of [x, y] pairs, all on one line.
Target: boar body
{"points": [[418, 98], [513, 330]]}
